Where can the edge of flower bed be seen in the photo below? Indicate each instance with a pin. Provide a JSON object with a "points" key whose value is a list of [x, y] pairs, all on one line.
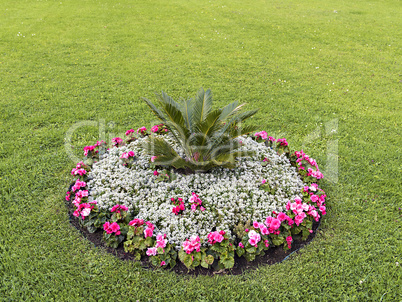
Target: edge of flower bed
{"points": [[272, 256]]}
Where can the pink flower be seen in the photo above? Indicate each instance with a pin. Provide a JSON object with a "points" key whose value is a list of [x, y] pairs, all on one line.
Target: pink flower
{"points": [[152, 251], [289, 239], [282, 141], [106, 226], [129, 131], [314, 198], [263, 181], [192, 244], [148, 232], [163, 263], [254, 237], [323, 210], [160, 241], [299, 218], [290, 221], [85, 212], [154, 129], [268, 221], [282, 216], [202, 209], [264, 230], [153, 158], [136, 222], [266, 243], [275, 224], [141, 130], [150, 225], [114, 227], [116, 141], [270, 138], [261, 134], [241, 245], [215, 237]]}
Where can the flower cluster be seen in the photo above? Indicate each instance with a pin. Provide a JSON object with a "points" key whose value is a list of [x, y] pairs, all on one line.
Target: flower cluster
{"points": [[111, 228], [179, 206], [149, 231], [262, 135], [253, 238], [142, 131], [117, 141], [117, 208], [127, 155], [192, 244], [306, 163], [195, 202], [282, 141], [136, 222], [90, 150], [84, 209], [79, 196], [80, 169], [78, 184], [215, 237], [159, 129]]}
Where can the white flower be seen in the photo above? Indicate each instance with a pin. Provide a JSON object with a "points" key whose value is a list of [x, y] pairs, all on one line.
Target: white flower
{"points": [[228, 196]]}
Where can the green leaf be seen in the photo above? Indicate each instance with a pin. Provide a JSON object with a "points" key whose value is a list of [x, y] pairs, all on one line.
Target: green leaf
{"points": [[277, 240], [227, 262], [239, 251], [202, 105], [187, 260], [251, 250], [209, 259]]}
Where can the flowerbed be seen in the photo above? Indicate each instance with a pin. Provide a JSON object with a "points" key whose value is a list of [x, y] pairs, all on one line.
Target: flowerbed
{"points": [[269, 199]]}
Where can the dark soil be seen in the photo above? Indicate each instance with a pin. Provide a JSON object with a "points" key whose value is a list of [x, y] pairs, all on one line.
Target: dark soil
{"points": [[272, 256]]}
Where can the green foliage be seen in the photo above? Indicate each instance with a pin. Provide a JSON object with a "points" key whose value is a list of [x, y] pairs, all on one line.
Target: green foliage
{"points": [[95, 219], [166, 257], [136, 243], [207, 136]]}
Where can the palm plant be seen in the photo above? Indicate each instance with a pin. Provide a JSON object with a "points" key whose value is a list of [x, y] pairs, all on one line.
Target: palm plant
{"points": [[207, 136]]}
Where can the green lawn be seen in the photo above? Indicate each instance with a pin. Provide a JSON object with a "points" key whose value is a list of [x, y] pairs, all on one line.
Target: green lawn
{"points": [[326, 75]]}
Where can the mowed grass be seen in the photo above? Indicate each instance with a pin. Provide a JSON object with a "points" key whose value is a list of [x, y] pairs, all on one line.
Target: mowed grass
{"points": [[326, 75]]}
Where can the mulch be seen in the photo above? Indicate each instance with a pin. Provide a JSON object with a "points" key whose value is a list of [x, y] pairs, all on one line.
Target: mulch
{"points": [[272, 256]]}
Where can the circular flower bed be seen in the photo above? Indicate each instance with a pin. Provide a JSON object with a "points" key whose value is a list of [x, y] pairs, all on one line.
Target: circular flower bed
{"points": [[270, 198]]}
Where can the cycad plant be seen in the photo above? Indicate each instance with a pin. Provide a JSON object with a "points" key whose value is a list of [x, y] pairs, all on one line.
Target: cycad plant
{"points": [[207, 136]]}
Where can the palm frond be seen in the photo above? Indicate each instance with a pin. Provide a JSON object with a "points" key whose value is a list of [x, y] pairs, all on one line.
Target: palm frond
{"points": [[230, 110], [159, 114], [236, 132], [163, 99], [187, 111], [202, 105], [165, 154]]}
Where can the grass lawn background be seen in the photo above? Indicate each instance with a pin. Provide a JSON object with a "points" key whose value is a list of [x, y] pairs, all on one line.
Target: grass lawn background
{"points": [[311, 66]]}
